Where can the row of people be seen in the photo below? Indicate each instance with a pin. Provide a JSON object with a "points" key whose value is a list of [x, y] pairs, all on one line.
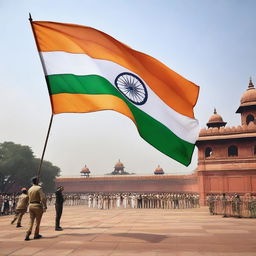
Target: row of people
{"points": [[112, 200], [130, 200], [138, 200], [8, 201], [70, 199], [232, 205]]}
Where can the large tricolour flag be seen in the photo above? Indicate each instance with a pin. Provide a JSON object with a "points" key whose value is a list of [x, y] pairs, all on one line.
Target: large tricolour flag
{"points": [[88, 70]]}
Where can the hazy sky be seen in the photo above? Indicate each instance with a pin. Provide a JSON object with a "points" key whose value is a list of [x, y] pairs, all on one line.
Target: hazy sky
{"points": [[212, 43]]}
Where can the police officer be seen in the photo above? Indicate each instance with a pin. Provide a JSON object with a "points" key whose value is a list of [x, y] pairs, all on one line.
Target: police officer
{"points": [[21, 207], [58, 207], [37, 205]]}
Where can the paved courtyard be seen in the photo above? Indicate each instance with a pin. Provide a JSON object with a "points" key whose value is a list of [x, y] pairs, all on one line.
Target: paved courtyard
{"points": [[123, 232]]}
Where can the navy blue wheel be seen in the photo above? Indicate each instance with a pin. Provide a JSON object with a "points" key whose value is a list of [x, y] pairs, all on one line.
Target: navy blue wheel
{"points": [[132, 87]]}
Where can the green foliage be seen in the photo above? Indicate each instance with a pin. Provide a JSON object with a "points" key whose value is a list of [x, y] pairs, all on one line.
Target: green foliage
{"points": [[48, 174], [18, 165]]}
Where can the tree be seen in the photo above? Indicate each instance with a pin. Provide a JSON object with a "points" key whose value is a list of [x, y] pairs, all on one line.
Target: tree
{"points": [[49, 172], [18, 165]]}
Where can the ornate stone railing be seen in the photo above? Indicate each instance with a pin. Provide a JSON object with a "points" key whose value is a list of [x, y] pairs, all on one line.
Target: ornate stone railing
{"points": [[251, 128]]}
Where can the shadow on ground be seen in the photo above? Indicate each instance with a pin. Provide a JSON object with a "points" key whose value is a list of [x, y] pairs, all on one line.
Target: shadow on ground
{"points": [[151, 238], [142, 236]]}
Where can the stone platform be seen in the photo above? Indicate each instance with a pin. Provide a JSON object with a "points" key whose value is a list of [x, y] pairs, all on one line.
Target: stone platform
{"points": [[129, 232]]}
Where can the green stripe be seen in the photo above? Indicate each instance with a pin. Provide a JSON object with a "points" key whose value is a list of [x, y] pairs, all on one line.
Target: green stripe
{"points": [[154, 132]]}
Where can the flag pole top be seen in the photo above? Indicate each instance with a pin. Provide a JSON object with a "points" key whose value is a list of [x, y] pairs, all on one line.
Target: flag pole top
{"points": [[30, 17]]}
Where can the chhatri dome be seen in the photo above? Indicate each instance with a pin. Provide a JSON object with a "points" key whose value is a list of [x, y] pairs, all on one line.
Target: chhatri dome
{"points": [[249, 96], [119, 165], [85, 171], [159, 170], [118, 168], [247, 107], [216, 120]]}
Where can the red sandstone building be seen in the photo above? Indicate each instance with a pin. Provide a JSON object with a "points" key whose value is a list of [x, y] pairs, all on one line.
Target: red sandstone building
{"points": [[226, 162]]}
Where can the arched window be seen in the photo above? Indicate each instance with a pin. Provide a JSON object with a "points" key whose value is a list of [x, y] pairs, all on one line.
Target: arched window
{"points": [[208, 152], [232, 151], [249, 118]]}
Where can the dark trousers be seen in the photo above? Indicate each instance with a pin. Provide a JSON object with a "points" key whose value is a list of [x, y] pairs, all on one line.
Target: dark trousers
{"points": [[58, 208]]}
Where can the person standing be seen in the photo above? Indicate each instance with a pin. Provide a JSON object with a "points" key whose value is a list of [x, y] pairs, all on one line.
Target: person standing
{"points": [[58, 207], [224, 205], [139, 201], [237, 206], [211, 204], [6, 208], [37, 206], [21, 207]]}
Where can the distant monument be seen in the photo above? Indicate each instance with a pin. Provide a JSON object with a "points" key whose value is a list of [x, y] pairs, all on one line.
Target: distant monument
{"points": [[119, 169], [159, 171], [85, 172]]}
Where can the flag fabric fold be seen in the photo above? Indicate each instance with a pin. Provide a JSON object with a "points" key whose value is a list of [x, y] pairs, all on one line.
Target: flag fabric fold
{"points": [[88, 70]]}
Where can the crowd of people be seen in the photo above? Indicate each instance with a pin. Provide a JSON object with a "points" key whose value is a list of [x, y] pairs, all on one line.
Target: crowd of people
{"points": [[143, 200], [70, 199], [112, 200], [8, 203], [232, 205], [222, 204], [130, 200]]}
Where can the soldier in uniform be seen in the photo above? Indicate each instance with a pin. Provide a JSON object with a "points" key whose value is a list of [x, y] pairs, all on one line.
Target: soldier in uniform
{"points": [[140, 201], [58, 207], [251, 206], [211, 202], [237, 206], [21, 207], [224, 205], [37, 205]]}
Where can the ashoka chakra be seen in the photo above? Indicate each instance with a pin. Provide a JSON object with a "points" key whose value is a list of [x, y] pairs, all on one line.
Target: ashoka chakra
{"points": [[132, 87]]}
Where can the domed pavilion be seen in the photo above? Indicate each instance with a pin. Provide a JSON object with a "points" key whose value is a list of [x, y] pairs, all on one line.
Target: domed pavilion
{"points": [[216, 120], [247, 107], [118, 168], [85, 172], [159, 171]]}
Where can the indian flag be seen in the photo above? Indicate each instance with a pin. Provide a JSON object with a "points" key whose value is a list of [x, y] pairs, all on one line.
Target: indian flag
{"points": [[87, 70]]}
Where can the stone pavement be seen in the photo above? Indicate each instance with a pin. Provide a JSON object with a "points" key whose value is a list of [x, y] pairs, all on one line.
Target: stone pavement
{"points": [[129, 232]]}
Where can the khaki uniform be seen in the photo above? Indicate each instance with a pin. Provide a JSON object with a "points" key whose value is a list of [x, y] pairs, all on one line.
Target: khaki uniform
{"points": [[37, 204], [21, 208]]}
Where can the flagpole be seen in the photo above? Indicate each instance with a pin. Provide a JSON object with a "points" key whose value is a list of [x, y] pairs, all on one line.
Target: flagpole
{"points": [[50, 124], [45, 144]]}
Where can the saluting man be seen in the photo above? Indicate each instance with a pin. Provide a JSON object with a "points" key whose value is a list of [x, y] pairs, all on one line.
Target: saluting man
{"points": [[37, 205]]}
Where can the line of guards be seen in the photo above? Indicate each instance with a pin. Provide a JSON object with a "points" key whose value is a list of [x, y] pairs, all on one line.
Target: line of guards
{"points": [[232, 205], [132, 200]]}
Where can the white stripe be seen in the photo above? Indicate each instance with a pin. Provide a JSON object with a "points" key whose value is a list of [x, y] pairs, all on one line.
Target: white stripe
{"points": [[80, 64]]}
